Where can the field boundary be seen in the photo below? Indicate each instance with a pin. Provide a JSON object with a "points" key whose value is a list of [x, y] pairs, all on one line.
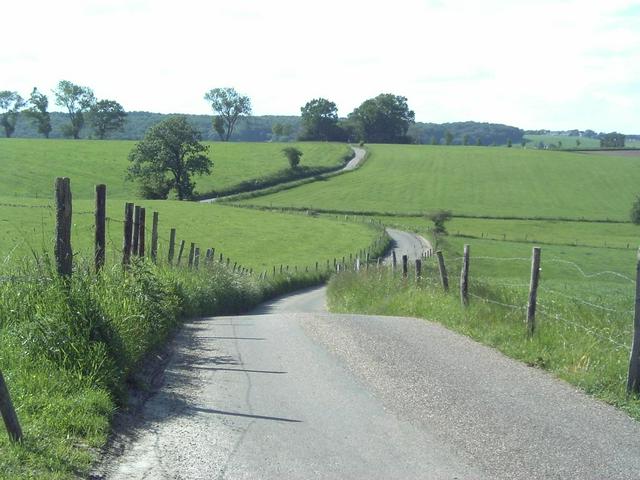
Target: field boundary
{"points": [[372, 213]]}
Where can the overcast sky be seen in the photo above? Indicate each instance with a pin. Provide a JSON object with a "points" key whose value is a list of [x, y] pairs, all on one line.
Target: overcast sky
{"points": [[533, 64]]}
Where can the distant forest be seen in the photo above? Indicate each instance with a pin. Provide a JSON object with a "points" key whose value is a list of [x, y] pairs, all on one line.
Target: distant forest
{"points": [[259, 129]]}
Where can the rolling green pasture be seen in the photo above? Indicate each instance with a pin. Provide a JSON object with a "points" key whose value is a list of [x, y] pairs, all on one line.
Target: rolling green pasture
{"points": [[256, 239], [32, 164], [565, 141], [478, 181]]}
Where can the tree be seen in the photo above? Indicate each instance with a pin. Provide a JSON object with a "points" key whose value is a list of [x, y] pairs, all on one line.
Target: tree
{"points": [[230, 106], [276, 130], [465, 139], [78, 101], [218, 126], [635, 211], [384, 119], [448, 138], [319, 118], [37, 112], [167, 156], [10, 105], [577, 142], [612, 140], [107, 116], [434, 141], [479, 142], [293, 155], [509, 144]]}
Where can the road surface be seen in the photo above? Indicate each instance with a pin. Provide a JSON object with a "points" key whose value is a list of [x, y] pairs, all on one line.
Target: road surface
{"points": [[291, 391]]}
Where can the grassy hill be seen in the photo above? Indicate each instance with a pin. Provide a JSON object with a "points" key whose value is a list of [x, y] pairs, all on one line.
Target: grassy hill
{"points": [[33, 164], [477, 181]]}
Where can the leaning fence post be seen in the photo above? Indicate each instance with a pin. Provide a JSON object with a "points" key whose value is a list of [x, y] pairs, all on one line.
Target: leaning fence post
{"points": [[154, 238], [62, 250], [180, 252], [444, 279], [172, 245], [464, 278], [101, 219], [142, 234], [405, 266], [533, 291], [418, 269], [192, 250], [633, 379], [8, 413], [136, 230], [128, 227]]}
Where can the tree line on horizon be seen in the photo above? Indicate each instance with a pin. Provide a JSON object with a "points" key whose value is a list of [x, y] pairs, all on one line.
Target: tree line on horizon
{"points": [[385, 118]]}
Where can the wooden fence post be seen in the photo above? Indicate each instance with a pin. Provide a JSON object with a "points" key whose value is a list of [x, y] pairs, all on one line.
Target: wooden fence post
{"points": [[405, 266], [154, 238], [8, 413], [101, 221], [208, 258], [180, 252], [357, 264], [366, 265], [464, 278], [196, 258], [128, 228], [136, 230], [141, 236], [172, 245], [192, 250], [394, 260], [62, 249], [418, 269], [633, 378], [533, 291], [444, 279]]}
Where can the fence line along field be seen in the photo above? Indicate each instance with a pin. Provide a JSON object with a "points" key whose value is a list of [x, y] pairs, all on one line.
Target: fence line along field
{"points": [[257, 239], [33, 163], [479, 181]]}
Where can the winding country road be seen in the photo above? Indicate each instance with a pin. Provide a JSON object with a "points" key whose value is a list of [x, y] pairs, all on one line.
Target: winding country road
{"points": [[358, 158], [291, 391]]}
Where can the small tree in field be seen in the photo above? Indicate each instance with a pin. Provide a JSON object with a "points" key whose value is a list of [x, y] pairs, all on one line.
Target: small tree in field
{"points": [[635, 211], [439, 219], [293, 155], [167, 156]]}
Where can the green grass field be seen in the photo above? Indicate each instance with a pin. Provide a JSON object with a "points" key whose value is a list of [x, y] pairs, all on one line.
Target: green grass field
{"points": [[258, 240], [478, 181], [568, 142], [33, 164]]}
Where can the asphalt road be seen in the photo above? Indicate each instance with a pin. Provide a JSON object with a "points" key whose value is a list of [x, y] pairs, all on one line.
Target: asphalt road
{"points": [[290, 391]]}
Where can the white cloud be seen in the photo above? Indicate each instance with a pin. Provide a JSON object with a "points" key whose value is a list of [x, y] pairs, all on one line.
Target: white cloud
{"points": [[543, 64]]}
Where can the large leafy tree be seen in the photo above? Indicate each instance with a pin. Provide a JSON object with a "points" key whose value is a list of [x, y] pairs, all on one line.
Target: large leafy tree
{"points": [[107, 116], [383, 119], [38, 112], [230, 106], [319, 120], [10, 105], [78, 101], [167, 156]]}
